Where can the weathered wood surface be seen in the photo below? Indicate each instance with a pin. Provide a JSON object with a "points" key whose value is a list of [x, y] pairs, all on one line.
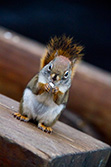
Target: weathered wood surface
{"points": [[23, 144], [90, 94]]}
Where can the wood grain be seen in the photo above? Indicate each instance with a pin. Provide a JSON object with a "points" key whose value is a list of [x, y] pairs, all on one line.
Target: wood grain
{"points": [[23, 144], [90, 94]]}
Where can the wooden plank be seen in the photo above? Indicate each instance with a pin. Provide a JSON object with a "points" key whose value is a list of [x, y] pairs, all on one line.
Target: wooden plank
{"points": [[19, 61], [90, 97], [23, 144], [90, 94]]}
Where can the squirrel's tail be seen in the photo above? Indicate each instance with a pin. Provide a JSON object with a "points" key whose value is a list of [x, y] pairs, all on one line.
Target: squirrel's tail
{"points": [[62, 46]]}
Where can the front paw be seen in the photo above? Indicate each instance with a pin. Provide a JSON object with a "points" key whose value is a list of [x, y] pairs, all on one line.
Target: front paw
{"points": [[47, 87], [55, 90]]}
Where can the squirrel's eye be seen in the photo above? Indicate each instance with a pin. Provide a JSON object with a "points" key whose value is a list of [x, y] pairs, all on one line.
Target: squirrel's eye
{"points": [[66, 74], [50, 67]]}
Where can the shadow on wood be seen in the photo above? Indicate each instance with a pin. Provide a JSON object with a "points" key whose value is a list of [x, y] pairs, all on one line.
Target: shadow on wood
{"points": [[23, 144]]}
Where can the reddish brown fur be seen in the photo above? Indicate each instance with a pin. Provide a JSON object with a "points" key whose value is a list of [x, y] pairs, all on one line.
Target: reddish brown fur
{"points": [[63, 46]]}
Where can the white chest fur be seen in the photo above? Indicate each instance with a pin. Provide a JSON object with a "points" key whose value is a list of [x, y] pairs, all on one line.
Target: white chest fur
{"points": [[40, 107]]}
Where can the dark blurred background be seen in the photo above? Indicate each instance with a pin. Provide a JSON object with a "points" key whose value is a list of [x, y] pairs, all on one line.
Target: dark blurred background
{"points": [[88, 22]]}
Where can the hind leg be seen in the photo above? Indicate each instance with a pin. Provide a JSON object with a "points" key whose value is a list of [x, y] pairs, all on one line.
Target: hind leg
{"points": [[21, 117], [44, 128]]}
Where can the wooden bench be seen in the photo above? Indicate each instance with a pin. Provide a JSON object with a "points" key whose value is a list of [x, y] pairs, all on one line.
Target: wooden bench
{"points": [[23, 144], [90, 94]]}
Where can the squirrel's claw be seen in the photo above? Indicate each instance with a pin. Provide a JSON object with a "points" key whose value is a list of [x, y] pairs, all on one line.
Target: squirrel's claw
{"points": [[44, 128], [47, 87], [21, 117], [55, 90]]}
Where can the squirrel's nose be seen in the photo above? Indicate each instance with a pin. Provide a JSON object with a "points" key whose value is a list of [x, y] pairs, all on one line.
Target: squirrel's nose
{"points": [[55, 77]]}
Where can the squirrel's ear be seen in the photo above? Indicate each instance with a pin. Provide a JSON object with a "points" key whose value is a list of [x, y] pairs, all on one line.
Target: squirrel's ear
{"points": [[73, 62], [56, 54]]}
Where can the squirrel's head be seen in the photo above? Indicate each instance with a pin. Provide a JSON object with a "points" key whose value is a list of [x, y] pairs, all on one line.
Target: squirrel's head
{"points": [[60, 60], [65, 47], [58, 71]]}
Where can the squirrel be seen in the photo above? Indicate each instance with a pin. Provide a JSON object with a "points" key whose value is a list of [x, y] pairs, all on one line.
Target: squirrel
{"points": [[46, 94]]}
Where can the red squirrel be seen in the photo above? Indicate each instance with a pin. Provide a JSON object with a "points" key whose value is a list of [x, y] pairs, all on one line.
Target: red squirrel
{"points": [[46, 94]]}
